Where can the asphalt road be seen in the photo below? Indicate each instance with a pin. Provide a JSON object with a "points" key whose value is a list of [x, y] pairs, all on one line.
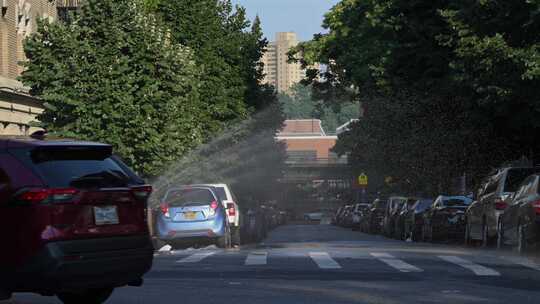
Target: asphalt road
{"points": [[325, 264]]}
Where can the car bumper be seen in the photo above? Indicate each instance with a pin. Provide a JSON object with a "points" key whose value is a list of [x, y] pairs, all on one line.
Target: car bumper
{"points": [[86, 264], [170, 231]]}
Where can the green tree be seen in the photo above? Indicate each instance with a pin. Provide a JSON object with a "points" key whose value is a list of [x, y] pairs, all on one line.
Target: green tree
{"points": [[449, 86], [112, 75], [216, 33]]}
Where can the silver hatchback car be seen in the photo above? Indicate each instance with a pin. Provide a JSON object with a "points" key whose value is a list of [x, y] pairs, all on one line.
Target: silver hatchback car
{"points": [[191, 215]]}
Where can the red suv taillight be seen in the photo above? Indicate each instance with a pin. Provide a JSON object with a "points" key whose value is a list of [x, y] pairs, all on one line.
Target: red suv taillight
{"points": [[500, 204], [231, 209], [536, 206], [57, 195]]}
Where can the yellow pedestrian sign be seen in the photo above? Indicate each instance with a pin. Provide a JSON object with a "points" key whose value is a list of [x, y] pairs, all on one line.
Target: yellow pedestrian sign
{"points": [[363, 180]]}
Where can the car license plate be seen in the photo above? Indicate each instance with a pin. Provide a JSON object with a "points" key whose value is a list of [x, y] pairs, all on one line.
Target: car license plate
{"points": [[190, 215], [107, 215]]}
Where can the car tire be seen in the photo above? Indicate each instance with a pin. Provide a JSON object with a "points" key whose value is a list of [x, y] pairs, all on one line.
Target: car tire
{"points": [[522, 240], [92, 296], [485, 235], [468, 239], [224, 241], [500, 235], [236, 237], [414, 235]]}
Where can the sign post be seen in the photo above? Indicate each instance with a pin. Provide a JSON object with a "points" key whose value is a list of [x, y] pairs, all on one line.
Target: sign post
{"points": [[363, 183]]}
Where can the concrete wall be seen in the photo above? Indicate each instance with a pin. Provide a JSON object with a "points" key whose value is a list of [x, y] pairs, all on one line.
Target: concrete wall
{"points": [[16, 112]]}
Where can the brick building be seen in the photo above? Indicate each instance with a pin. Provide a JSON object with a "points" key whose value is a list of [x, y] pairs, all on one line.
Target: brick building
{"points": [[18, 19], [307, 141]]}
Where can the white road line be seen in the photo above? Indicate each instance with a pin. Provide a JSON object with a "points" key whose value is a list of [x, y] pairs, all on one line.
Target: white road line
{"points": [[257, 258], [398, 264], [324, 261], [524, 262], [477, 269], [197, 257]]}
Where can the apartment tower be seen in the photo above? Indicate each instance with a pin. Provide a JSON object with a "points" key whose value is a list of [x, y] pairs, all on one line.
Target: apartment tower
{"points": [[279, 73]]}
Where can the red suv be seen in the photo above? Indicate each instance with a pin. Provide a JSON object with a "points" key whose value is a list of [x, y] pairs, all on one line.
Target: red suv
{"points": [[72, 221]]}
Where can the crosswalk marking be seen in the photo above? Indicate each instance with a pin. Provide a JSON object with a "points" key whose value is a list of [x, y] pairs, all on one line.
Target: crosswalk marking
{"points": [[523, 262], [197, 257], [257, 258], [324, 261], [392, 261], [476, 268]]}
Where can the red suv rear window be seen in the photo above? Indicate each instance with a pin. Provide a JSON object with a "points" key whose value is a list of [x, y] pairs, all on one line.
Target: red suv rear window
{"points": [[77, 167]]}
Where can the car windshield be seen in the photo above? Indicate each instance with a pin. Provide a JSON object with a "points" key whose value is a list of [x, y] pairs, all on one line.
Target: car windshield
{"points": [[516, 176], [422, 205], [381, 204], [220, 192], [189, 197], [455, 202]]}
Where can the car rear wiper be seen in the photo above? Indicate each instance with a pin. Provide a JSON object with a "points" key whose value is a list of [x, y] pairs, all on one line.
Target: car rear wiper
{"points": [[101, 179]]}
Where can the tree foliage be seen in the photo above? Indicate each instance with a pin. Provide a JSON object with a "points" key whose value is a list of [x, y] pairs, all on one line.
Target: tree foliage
{"points": [[449, 86], [112, 75], [218, 34]]}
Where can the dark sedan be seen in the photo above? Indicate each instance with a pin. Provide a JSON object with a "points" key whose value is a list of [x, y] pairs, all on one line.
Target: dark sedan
{"points": [[519, 226], [399, 229], [445, 219]]}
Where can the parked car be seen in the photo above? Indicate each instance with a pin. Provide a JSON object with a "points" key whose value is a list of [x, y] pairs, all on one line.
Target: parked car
{"points": [[414, 219], [69, 212], [358, 212], [347, 217], [399, 229], [393, 208], [375, 216], [191, 215], [519, 225], [336, 215], [230, 203], [445, 219], [491, 201]]}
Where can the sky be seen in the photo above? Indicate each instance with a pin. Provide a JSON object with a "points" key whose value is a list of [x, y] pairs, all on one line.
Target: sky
{"points": [[301, 16]]}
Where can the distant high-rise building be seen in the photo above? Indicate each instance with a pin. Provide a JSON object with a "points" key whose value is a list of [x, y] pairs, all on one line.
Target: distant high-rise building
{"points": [[279, 72]]}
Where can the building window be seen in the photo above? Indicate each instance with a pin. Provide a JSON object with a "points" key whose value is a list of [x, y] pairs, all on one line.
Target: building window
{"points": [[4, 7], [302, 155]]}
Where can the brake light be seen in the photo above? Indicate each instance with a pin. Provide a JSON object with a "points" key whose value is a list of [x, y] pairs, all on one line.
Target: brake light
{"points": [[34, 196], [164, 209], [500, 204], [57, 195], [231, 209], [214, 205], [142, 192], [536, 206]]}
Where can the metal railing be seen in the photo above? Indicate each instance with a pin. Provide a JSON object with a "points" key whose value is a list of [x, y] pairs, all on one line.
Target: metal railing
{"points": [[317, 161]]}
